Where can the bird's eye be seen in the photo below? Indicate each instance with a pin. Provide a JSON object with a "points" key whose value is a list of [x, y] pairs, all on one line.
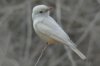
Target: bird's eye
{"points": [[41, 11]]}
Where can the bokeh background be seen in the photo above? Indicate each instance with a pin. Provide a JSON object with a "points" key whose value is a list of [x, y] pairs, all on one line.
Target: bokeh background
{"points": [[20, 46]]}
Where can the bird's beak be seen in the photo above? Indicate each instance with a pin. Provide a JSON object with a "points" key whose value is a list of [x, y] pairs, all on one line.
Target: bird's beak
{"points": [[49, 8]]}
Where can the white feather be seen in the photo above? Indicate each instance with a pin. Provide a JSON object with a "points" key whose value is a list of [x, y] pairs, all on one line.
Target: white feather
{"points": [[46, 27]]}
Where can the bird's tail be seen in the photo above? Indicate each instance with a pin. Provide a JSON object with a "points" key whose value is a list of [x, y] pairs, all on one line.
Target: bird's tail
{"points": [[80, 54]]}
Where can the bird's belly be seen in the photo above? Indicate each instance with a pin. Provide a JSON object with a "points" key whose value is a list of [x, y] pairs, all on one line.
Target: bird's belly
{"points": [[46, 38], [41, 35]]}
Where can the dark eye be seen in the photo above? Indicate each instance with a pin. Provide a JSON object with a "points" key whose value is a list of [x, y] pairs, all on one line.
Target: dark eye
{"points": [[41, 11]]}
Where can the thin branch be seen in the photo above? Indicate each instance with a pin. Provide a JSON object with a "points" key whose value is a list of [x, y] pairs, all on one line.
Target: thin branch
{"points": [[41, 54], [34, 54], [69, 53], [29, 29], [58, 11], [90, 48]]}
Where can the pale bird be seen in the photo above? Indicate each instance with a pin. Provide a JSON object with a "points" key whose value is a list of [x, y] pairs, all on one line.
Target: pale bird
{"points": [[49, 31]]}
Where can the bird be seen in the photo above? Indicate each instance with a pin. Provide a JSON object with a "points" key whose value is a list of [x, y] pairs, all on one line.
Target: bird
{"points": [[50, 31]]}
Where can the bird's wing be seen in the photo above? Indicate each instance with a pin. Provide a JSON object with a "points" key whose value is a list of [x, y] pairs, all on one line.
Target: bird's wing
{"points": [[52, 30]]}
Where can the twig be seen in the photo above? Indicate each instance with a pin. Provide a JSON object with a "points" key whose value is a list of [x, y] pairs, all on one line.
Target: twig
{"points": [[58, 11], [34, 54], [90, 48], [41, 54], [29, 31], [69, 53]]}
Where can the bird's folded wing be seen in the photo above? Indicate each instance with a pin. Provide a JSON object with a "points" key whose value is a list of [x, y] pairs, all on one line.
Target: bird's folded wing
{"points": [[52, 33]]}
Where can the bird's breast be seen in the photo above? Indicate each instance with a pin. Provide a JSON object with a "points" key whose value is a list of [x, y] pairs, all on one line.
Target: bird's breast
{"points": [[41, 35]]}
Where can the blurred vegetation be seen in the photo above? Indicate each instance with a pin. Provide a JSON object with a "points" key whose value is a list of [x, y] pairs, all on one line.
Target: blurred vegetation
{"points": [[20, 46]]}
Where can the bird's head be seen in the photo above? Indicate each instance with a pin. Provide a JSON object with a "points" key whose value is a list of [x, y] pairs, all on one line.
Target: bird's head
{"points": [[41, 10]]}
